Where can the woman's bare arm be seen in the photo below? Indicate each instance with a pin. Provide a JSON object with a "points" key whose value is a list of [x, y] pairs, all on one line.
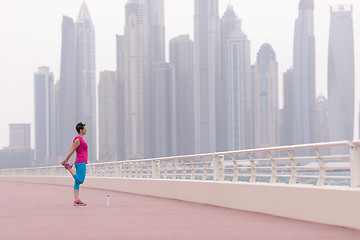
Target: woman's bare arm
{"points": [[73, 148]]}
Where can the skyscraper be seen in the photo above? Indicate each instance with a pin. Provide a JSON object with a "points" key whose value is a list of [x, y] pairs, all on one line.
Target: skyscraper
{"points": [[287, 132], [161, 79], [181, 57], [77, 82], [162, 100], [229, 23], [108, 124], [45, 123], [266, 103], [156, 30], [206, 73], [86, 77], [67, 88], [137, 81], [240, 91], [120, 98], [341, 77], [304, 108]]}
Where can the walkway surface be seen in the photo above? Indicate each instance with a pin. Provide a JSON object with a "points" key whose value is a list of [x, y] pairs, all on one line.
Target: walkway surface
{"points": [[37, 211]]}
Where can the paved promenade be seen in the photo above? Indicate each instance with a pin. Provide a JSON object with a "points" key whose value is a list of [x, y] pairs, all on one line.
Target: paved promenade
{"points": [[37, 211]]}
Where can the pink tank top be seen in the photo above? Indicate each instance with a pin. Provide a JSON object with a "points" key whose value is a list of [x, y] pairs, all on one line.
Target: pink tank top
{"points": [[81, 151]]}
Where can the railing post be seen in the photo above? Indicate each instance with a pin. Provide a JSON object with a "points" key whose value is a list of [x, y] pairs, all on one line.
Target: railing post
{"points": [[273, 177], [236, 170], [183, 169], [322, 169], [355, 165], [155, 169], [293, 171], [174, 168], [204, 176], [253, 168], [218, 167]]}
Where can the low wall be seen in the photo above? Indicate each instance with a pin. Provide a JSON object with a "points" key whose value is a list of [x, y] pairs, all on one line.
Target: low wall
{"points": [[338, 206]]}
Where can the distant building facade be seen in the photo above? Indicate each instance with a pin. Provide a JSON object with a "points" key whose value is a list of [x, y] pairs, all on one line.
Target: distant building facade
{"points": [[287, 122], [266, 98], [16, 158], [67, 88], [45, 118], [229, 23], [19, 153], [341, 75], [322, 119], [240, 92], [181, 57], [19, 135], [108, 125], [137, 81], [304, 104], [86, 78], [77, 100], [206, 73], [120, 98], [162, 111], [156, 23]]}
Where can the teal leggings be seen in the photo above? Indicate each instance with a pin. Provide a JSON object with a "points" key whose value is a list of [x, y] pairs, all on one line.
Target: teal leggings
{"points": [[80, 175]]}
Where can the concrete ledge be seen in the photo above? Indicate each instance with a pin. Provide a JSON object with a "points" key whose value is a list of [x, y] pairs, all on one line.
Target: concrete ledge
{"points": [[337, 206]]}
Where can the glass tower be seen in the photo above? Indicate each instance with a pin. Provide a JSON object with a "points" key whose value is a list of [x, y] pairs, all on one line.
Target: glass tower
{"points": [[206, 73], [266, 103], [341, 78], [304, 103]]}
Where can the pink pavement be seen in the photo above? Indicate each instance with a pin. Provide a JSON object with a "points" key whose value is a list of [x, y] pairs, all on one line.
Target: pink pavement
{"points": [[39, 211]]}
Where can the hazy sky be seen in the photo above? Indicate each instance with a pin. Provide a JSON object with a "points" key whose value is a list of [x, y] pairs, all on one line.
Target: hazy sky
{"points": [[31, 37]]}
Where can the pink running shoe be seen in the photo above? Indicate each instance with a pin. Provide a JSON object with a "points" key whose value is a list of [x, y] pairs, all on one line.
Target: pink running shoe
{"points": [[67, 166], [79, 203]]}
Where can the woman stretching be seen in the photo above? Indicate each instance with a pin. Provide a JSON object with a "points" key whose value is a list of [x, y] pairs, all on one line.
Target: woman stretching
{"points": [[80, 146]]}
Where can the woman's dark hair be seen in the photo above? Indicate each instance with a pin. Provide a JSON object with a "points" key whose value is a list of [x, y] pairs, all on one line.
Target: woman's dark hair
{"points": [[80, 126]]}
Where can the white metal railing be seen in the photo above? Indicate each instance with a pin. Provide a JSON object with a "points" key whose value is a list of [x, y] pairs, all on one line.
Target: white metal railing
{"points": [[332, 163]]}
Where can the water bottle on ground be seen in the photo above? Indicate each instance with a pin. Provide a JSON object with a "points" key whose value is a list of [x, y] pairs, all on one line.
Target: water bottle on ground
{"points": [[108, 200]]}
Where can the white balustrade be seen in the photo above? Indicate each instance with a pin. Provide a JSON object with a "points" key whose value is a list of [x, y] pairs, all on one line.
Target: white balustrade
{"points": [[333, 163]]}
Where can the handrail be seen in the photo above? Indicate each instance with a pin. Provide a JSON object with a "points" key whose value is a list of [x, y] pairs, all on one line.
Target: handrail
{"points": [[319, 164]]}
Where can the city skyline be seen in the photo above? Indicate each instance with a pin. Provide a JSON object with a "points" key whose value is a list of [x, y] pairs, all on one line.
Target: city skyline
{"points": [[24, 109]]}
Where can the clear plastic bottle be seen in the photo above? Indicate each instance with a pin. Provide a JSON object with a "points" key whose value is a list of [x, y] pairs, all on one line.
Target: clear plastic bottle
{"points": [[108, 200]]}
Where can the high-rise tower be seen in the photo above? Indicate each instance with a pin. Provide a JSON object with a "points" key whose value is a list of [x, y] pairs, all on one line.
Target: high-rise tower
{"points": [[77, 100], [341, 78], [229, 23], [120, 98], [156, 30], [45, 126], [67, 89], [266, 98], [304, 108], [162, 100], [240, 92], [108, 124], [181, 57], [86, 77], [287, 132], [206, 73], [137, 84]]}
